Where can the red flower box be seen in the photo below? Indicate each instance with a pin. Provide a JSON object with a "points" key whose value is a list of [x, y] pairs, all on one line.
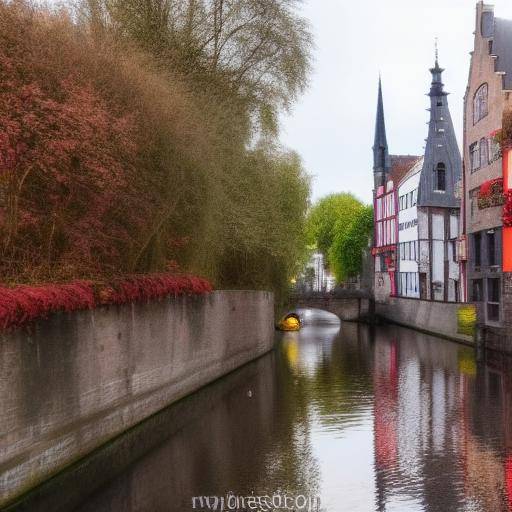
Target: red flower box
{"points": [[491, 194]]}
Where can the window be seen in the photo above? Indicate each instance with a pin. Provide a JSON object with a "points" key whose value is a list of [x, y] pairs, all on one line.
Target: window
{"points": [[477, 237], [480, 109], [409, 250], [440, 177], [453, 243], [473, 201], [494, 150], [477, 295], [484, 153], [408, 284], [474, 155], [493, 299], [491, 248]]}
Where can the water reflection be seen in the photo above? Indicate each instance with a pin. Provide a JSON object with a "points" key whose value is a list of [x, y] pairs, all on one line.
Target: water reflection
{"points": [[390, 421]]}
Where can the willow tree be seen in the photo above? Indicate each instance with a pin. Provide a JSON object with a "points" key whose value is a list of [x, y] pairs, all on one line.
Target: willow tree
{"points": [[259, 49]]}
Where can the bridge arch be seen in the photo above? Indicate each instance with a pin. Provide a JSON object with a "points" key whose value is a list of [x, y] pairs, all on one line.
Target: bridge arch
{"points": [[347, 305]]}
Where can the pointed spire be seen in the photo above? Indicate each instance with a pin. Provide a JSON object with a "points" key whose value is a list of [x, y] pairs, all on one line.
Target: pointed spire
{"points": [[437, 88], [381, 161]]}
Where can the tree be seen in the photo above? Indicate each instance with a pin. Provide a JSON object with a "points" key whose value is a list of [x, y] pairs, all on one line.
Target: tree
{"points": [[323, 217], [350, 240], [118, 159], [259, 49]]}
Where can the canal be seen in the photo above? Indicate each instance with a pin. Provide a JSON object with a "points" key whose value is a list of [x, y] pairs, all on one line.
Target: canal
{"points": [[388, 421]]}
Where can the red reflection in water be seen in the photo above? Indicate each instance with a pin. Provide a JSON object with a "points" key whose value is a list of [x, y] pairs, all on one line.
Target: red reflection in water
{"points": [[386, 398]]}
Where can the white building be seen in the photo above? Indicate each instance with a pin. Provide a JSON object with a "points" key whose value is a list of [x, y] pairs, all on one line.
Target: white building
{"points": [[408, 252], [316, 277]]}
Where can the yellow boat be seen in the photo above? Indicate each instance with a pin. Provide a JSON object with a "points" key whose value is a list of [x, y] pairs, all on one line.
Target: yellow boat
{"points": [[289, 323]]}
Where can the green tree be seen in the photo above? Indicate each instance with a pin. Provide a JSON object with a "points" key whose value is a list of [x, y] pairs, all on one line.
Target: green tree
{"points": [[321, 227], [350, 240]]}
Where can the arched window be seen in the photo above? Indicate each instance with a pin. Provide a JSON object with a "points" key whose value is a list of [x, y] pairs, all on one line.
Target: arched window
{"points": [[480, 103], [440, 177], [484, 153]]}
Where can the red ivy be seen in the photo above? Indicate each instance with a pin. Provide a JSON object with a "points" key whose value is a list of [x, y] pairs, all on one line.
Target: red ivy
{"points": [[491, 186], [507, 210], [24, 304]]}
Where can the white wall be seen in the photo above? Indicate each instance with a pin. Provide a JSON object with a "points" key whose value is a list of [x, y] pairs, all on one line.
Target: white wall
{"points": [[408, 234]]}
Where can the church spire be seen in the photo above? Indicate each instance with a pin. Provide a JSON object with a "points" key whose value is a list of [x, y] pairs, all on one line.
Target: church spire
{"points": [[437, 87], [442, 165], [381, 160]]}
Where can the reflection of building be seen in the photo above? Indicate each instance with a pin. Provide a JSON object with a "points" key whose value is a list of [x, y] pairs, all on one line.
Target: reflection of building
{"points": [[488, 95], [442, 426]]}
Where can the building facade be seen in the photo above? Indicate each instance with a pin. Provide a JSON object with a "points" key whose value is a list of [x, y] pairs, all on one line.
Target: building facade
{"points": [[388, 170], [438, 201], [417, 209], [488, 96], [408, 279]]}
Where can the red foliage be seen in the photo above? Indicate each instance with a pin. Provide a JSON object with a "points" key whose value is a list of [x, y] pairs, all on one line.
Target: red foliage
{"points": [[488, 187], [70, 188], [152, 286], [507, 210], [24, 304]]}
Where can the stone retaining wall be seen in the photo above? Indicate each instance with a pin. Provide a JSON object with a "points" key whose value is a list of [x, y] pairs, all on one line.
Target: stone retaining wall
{"points": [[438, 318], [75, 381]]}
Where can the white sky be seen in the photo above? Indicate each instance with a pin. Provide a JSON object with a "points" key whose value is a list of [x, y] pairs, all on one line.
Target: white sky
{"points": [[332, 126]]}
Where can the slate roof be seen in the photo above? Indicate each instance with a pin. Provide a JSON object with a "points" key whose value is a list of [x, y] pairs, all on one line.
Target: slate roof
{"points": [[441, 149], [401, 165], [380, 146], [502, 48]]}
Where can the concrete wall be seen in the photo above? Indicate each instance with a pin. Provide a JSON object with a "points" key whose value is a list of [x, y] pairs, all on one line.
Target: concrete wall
{"points": [[77, 380], [438, 318]]}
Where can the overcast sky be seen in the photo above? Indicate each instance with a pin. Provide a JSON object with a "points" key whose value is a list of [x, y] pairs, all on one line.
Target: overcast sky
{"points": [[332, 126]]}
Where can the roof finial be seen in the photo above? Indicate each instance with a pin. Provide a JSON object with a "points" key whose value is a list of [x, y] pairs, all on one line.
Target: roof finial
{"points": [[437, 52]]}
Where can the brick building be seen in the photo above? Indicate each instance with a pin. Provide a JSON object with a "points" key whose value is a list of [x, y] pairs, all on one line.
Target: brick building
{"points": [[488, 95]]}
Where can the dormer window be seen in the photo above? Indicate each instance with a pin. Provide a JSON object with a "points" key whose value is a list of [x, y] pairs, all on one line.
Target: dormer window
{"points": [[480, 103], [440, 177]]}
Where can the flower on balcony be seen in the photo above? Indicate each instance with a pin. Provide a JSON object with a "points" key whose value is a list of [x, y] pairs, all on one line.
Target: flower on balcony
{"points": [[491, 194]]}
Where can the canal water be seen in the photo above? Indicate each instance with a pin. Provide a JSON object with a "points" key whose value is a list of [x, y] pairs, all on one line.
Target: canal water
{"points": [[391, 420]]}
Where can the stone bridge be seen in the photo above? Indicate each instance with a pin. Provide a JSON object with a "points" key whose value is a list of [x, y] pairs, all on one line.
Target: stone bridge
{"points": [[347, 305]]}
